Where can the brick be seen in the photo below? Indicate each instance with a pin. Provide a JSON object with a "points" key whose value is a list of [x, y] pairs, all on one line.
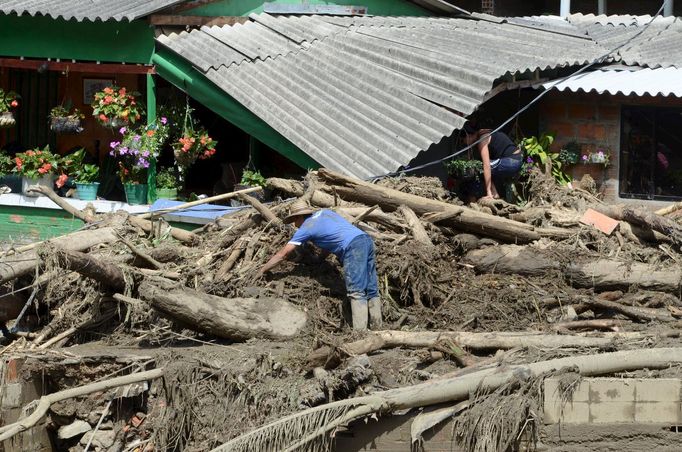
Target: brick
{"points": [[612, 412], [562, 129], [657, 412], [611, 390], [658, 390], [582, 111], [553, 110], [608, 113]]}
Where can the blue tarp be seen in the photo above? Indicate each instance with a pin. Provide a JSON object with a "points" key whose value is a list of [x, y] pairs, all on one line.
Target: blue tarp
{"points": [[203, 211]]}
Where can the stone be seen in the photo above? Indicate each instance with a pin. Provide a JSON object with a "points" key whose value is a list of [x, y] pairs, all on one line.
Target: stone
{"points": [[103, 439], [77, 427]]}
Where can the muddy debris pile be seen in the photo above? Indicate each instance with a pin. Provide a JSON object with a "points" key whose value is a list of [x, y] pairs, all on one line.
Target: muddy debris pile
{"points": [[145, 336]]}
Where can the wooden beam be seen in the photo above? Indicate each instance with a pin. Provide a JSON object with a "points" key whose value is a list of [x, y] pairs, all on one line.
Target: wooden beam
{"points": [[104, 68], [195, 21], [186, 6]]}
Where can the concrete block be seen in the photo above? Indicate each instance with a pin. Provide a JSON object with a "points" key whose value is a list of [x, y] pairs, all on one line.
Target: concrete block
{"points": [[12, 395], [612, 412], [76, 428], [657, 412], [611, 390], [658, 390]]}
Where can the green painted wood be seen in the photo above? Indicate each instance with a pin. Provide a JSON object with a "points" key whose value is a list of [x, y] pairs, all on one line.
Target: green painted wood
{"points": [[44, 37], [246, 7], [180, 73], [30, 224], [151, 117]]}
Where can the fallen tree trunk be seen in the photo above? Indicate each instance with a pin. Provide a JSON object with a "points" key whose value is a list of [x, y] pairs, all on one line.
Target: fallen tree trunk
{"points": [[468, 220], [107, 274], [602, 274], [279, 435], [8, 431], [295, 188], [233, 318], [473, 341], [415, 225], [24, 263], [646, 219], [634, 312]]}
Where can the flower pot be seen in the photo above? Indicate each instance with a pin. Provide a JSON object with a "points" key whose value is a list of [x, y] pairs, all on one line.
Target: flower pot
{"points": [[46, 181], [136, 193], [13, 181], [167, 193], [87, 191], [7, 119], [65, 124]]}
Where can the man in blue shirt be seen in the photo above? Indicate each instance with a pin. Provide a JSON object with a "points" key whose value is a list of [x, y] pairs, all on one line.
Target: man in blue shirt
{"points": [[355, 250]]}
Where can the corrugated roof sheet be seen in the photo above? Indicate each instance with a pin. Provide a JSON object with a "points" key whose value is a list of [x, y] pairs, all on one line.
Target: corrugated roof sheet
{"points": [[364, 95], [625, 80], [86, 9], [660, 45]]}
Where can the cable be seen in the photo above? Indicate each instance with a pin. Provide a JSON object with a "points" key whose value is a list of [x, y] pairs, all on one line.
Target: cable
{"points": [[519, 112]]}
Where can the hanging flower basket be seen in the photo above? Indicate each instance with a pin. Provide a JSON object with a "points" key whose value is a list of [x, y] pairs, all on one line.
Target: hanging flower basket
{"points": [[64, 119], [66, 124], [116, 107], [7, 119]]}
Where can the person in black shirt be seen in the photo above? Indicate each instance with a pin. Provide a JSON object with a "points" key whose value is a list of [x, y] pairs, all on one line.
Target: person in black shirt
{"points": [[502, 159]]}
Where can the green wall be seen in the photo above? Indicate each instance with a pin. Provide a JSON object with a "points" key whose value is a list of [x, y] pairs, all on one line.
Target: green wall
{"points": [[30, 224], [246, 7], [44, 37]]}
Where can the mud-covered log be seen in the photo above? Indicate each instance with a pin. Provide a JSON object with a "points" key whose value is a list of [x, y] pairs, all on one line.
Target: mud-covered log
{"points": [[21, 264], [327, 356], [645, 218], [418, 231], [602, 274], [468, 220], [296, 188], [103, 272], [230, 318], [634, 312]]}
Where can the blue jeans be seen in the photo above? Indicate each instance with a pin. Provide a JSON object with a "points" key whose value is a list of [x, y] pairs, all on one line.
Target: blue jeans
{"points": [[359, 269], [502, 172]]}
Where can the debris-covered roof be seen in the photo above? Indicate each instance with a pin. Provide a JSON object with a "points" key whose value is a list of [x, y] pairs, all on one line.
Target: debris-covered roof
{"points": [[364, 95], [625, 80], [91, 10]]}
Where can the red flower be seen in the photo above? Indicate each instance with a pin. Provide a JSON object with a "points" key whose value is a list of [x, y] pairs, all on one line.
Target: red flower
{"points": [[14, 104], [122, 91], [150, 133], [108, 90], [18, 162], [45, 168], [103, 118], [61, 180], [108, 99], [30, 153]]}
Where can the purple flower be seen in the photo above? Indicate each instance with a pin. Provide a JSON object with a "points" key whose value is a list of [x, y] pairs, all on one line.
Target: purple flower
{"points": [[164, 120], [113, 144], [136, 138], [145, 154], [529, 160], [585, 158], [122, 130], [112, 153], [123, 150]]}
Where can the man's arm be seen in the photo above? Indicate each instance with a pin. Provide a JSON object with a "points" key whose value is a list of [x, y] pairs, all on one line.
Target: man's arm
{"points": [[277, 258], [487, 173]]}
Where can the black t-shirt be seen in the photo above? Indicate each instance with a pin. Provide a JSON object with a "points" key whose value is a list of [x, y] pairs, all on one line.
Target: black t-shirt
{"points": [[500, 146]]}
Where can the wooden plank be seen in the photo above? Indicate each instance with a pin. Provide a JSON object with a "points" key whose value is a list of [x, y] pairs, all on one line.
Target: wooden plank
{"points": [[77, 67], [195, 21]]}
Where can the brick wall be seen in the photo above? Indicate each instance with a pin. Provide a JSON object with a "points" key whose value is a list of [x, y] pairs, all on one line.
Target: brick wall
{"points": [[592, 120]]}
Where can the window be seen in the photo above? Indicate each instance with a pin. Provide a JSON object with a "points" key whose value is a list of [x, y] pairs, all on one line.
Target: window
{"points": [[651, 153]]}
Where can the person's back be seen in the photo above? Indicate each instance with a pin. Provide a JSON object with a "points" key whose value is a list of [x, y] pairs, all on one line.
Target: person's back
{"points": [[328, 230]]}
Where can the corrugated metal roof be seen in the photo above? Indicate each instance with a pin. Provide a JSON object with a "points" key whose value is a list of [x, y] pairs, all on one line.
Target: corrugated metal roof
{"points": [[364, 95], [625, 80], [86, 9]]}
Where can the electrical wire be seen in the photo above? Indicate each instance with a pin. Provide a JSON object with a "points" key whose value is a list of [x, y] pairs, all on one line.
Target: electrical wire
{"points": [[597, 60]]}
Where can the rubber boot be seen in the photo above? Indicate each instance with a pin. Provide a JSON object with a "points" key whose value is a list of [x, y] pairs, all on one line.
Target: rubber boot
{"points": [[374, 305], [358, 307]]}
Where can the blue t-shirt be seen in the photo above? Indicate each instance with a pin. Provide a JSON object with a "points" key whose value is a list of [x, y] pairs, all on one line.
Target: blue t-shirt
{"points": [[328, 230]]}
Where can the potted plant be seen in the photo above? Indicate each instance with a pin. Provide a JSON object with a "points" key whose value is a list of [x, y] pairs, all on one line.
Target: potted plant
{"points": [[463, 169], [8, 101], [166, 185], [13, 181], [64, 119], [134, 152], [192, 146], [84, 175], [37, 167], [115, 107], [570, 153]]}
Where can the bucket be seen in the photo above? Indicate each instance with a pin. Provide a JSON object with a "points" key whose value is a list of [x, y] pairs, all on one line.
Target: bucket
{"points": [[136, 194], [167, 193], [87, 192]]}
